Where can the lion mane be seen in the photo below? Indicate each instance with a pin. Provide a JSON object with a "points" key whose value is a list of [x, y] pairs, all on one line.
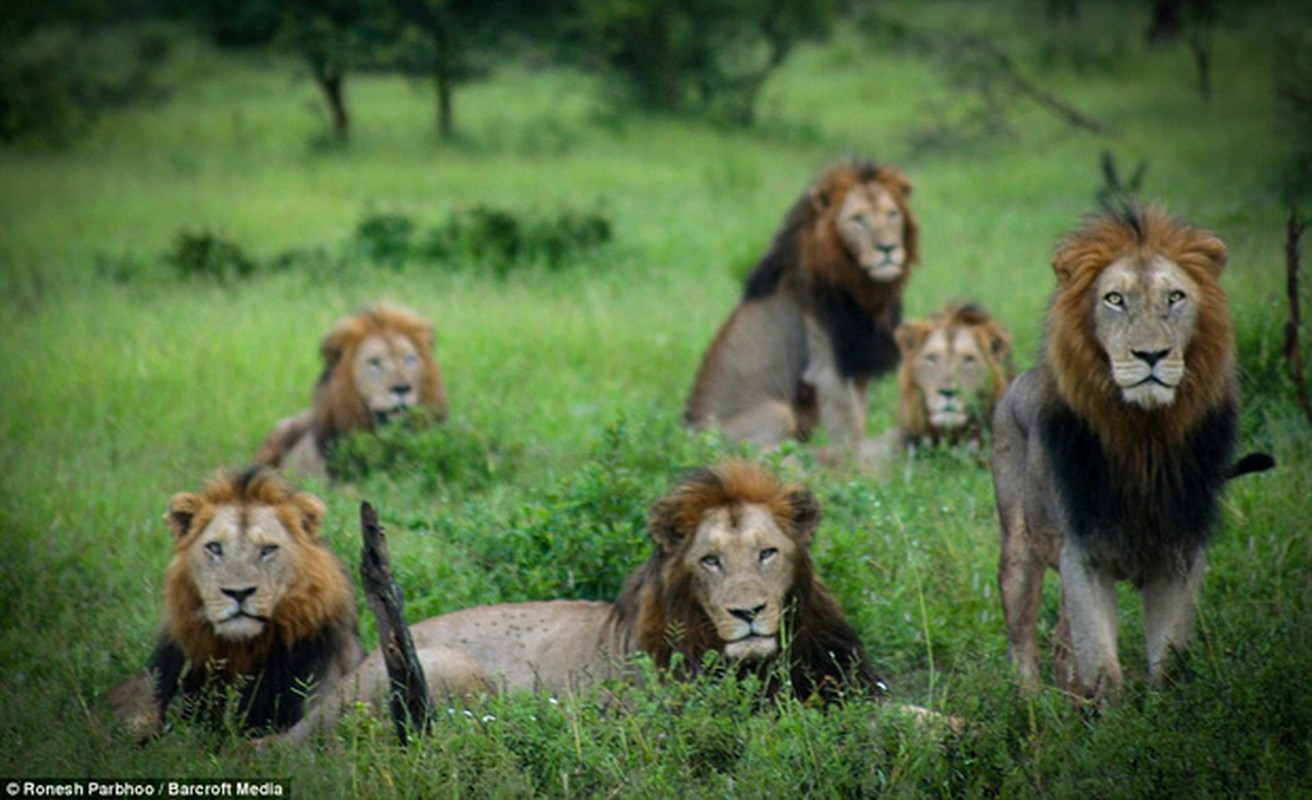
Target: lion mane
{"points": [[308, 640], [974, 388], [1100, 477], [303, 441], [660, 611], [814, 325]]}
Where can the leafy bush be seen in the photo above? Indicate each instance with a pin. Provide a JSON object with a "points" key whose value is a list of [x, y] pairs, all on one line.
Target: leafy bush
{"points": [[439, 455], [385, 238], [207, 255], [56, 81]]}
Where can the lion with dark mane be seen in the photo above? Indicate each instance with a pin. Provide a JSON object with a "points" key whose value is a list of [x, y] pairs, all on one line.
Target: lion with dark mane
{"points": [[378, 365], [1109, 456], [816, 319], [257, 611], [731, 573]]}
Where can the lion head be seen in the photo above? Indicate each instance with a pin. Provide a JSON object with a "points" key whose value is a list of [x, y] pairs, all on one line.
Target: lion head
{"points": [[249, 571], [955, 365], [377, 365], [859, 227], [1138, 334], [732, 573]]}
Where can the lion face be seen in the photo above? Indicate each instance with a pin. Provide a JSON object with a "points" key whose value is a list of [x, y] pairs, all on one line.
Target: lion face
{"points": [[955, 365], [387, 372], [241, 563], [742, 566], [871, 225], [248, 561], [1145, 317]]}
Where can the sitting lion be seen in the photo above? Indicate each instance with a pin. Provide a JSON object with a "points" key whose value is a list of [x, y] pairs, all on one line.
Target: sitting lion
{"points": [[256, 610], [956, 363], [1110, 455], [730, 573], [378, 365], [816, 320]]}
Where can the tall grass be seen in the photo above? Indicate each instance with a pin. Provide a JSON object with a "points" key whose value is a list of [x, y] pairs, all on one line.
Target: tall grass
{"points": [[121, 383]]}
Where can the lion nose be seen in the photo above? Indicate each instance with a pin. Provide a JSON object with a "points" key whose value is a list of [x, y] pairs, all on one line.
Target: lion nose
{"points": [[886, 249], [747, 614], [239, 595], [401, 389], [947, 394], [1150, 357]]}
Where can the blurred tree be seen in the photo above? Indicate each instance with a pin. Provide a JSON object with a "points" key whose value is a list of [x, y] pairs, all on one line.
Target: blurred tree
{"points": [[1196, 21], [335, 36], [710, 57], [438, 37]]}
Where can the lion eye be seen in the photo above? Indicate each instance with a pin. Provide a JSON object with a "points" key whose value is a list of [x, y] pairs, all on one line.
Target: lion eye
{"points": [[267, 551], [214, 548], [711, 562], [1175, 297], [375, 362], [769, 553], [1114, 299], [968, 360], [411, 360]]}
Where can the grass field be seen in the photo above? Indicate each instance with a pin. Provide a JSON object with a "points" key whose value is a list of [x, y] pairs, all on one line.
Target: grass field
{"points": [[121, 384]]}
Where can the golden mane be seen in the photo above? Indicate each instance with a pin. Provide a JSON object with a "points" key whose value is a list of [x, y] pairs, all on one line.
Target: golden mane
{"points": [[822, 252], [913, 419], [1078, 364], [321, 596], [338, 407]]}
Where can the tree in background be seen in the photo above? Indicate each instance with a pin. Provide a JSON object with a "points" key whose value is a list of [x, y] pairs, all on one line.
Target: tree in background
{"points": [[334, 37], [443, 38], [708, 57]]}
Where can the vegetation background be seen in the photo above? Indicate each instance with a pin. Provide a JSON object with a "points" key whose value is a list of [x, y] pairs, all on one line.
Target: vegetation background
{"points": [[170, 257]]}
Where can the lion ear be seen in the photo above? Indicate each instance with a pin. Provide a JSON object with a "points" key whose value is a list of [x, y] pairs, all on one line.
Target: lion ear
{"points": [[313, 513], [1212, 252], [820, 198], [663, 525], [910, 336], [999, 341], [806, 515], [183, 508]]}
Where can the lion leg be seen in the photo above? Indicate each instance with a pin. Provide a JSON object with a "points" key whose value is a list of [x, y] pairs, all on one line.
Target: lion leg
{"points": [[766, 425], [1020, 578], [1089, 601], [1170, 602]]}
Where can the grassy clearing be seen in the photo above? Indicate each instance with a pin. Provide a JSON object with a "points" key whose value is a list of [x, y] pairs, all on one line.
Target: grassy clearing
{"points": [[122, 385]]}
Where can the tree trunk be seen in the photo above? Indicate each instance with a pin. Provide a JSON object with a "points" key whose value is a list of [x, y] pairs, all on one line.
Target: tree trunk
{"points": [[330, 83], [442, 63]]}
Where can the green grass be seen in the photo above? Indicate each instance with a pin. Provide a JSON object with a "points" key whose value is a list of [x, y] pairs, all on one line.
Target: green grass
{"points": [[121, 384]]}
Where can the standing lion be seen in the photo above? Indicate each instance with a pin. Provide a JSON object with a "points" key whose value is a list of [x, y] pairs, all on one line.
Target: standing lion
{"points": [[377, 366], [816, 319], [1110, 455]]}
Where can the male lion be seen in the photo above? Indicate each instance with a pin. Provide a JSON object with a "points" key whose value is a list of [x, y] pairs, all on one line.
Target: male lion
{"points": [[731, 572], [1109, 456], [255, 606], [377, 365], [816, 319], [956, 363]]}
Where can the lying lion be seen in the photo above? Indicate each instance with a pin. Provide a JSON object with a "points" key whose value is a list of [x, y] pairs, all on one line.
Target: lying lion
{"points": [[730, 573], [377, 366]]}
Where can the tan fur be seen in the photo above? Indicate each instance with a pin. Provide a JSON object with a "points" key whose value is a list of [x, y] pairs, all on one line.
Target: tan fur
{"points": [[816, 319], [256, 534], [731, 562], [1130, 412], [956, 363], [346, 399]]}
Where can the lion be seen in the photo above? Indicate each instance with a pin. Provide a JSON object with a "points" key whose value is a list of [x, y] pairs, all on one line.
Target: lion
{"points": [[378, 365], [816, 319], [730, 573], [1110, 455], [256, 609], [956, 363]]}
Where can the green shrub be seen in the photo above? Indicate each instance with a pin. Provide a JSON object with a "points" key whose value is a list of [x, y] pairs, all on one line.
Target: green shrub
{"points": [[441, 456], [503, 240], [207, 255], [385, 238]]}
